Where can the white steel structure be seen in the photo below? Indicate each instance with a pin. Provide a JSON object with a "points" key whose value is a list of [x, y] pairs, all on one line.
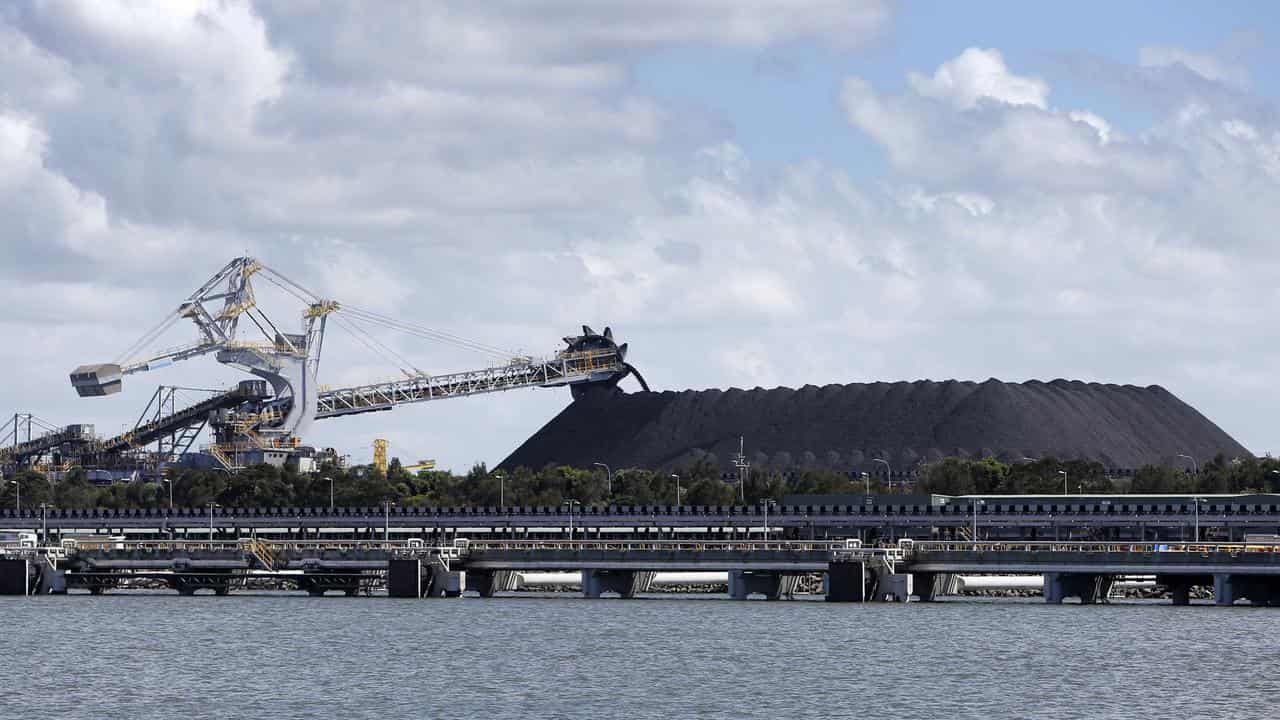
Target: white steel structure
{"points": [[231, 326]]}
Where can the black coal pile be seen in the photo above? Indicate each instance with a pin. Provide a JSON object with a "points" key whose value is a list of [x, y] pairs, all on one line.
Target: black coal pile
{"points": [[844, 426]]}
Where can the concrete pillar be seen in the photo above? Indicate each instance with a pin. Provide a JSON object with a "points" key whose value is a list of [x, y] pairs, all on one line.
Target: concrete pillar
{"points": [[891, 587], [845, 582], [1088, 587], [1257, 589], [51, 580], [1179, 587], [15, 576], [597, 582], [1225, 590], [483, 582], [743, 583], [404, 578], [928, 586], [446, 583]]}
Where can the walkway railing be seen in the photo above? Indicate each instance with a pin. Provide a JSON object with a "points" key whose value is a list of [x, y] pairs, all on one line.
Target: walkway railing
{"points": [[927, 546], [268, 550]]}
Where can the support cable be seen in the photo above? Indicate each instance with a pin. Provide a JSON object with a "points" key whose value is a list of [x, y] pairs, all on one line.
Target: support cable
{"points": [[149, 337], [427, 333], [378, 348]]}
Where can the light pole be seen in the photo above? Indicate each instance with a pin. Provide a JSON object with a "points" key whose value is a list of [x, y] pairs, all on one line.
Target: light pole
{"points": [[608, 477], [976, 503], [330, 496], [169, 482], [44, 522], [386, 523], [866, 483], [570, 503], [18, 498], [502, 490], [212, 505], [767, 502], [1063, 473], [677, 477], [889, 470], [1197, 501], [1195, 466]]}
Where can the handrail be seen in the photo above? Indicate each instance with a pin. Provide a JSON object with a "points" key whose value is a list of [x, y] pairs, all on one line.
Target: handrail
{"points": [[1078, 546], [270, 549], [277, 546]]}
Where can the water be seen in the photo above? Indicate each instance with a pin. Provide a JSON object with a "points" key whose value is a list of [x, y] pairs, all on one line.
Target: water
{"points": [[287, 656]]}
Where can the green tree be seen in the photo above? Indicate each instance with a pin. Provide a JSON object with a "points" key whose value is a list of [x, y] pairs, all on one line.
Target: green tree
{"points": [[1161, 480]]}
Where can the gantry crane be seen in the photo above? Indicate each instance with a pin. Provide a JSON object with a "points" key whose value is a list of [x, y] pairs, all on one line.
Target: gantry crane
{"points": [[226, 313]]}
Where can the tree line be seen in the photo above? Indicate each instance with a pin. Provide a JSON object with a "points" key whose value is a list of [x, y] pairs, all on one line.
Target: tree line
{"points": [[963, 476], [698, 484]]}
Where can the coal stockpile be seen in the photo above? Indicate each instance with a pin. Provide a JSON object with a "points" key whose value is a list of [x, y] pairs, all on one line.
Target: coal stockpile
{"points": [[844, 427]]}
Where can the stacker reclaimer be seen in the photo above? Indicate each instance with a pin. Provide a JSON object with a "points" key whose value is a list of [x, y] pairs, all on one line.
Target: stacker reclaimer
{"points": [[266, 419]]}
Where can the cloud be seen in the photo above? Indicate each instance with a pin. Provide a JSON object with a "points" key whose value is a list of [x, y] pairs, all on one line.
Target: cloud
{"points": [[980, 74], [485, 169], [492, 170], [947, 139], [1203, 64]]}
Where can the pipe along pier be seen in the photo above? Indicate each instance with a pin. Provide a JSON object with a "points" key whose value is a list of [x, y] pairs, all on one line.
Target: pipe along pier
{"points": [[907, 570]]}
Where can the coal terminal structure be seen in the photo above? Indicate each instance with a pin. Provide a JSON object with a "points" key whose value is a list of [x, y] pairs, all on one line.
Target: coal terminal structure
{"points": [[846, 427]]}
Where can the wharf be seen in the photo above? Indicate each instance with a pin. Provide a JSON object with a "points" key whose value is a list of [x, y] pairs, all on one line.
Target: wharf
{"points": [[851, 572]]}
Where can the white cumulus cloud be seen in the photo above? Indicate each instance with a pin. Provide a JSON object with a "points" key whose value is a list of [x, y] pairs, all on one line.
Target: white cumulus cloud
{"points": [[980, 74]]}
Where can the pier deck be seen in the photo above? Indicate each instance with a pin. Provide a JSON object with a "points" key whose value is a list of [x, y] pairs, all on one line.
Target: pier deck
{"points": [[900, 571]]}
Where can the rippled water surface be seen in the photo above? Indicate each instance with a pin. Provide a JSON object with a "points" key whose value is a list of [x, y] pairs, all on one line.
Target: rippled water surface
{"points": [[287, 656]]}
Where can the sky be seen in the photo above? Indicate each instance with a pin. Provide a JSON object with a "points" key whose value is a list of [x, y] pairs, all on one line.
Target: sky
{"points": [[751, 193]]}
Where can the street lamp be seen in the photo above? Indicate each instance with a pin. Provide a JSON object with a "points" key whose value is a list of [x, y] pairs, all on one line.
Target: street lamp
{"points": [[890, 472], [386, 523], [212, 505], [608, 477], [570, 503], [502, 490], [1195, 466], [767, 503], [677, 477], [1197, 501], [18, 498], [976, 503], [330, 496], [44, 522], [866, 483], [1063, 473], [167, 520]]}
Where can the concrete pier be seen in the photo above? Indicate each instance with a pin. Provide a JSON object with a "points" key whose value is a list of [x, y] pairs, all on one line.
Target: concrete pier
{"points": [[772, 585], [1228, 589], [852, 573], [846, 582], [626, 583], [1088, 587], [16, 576], [405, 578], [929, 587], [423, 577]]}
